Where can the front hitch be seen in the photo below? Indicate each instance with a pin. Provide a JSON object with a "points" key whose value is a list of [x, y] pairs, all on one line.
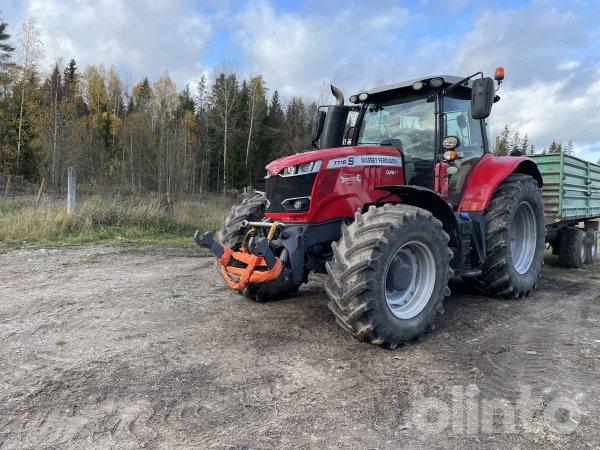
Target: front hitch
{"points": [[257, 264]]}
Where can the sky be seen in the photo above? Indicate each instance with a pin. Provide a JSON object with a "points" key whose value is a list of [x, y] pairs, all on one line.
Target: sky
{"points": [[550, 49]]}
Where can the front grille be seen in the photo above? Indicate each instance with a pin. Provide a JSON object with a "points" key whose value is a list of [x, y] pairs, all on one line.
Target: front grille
{"points": [[280, 188]]}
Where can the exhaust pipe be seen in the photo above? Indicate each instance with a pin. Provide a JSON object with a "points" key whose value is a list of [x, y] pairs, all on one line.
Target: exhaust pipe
{"points": [[338, 95]]}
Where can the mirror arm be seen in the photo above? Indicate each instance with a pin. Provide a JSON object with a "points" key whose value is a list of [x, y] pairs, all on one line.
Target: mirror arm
{"points": [[460, 83]]}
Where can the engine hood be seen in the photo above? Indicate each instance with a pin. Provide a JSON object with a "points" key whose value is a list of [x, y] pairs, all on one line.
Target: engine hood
{"points": [[373, 156]]}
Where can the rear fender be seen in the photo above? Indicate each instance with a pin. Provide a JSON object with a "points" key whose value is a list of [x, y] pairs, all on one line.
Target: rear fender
{"points": [[487, 175]]}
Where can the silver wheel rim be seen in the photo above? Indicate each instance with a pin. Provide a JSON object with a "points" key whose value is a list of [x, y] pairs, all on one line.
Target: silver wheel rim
{"points": [[523, 237], [594, 251], [410, 279]]}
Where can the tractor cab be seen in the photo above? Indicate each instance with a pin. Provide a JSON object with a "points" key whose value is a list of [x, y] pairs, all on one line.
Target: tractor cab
{"points": [[429, 120]]}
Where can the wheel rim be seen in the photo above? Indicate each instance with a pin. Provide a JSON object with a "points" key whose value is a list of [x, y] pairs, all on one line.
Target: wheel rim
{"points": [[410, 279], [523, 239], [583, 251]]}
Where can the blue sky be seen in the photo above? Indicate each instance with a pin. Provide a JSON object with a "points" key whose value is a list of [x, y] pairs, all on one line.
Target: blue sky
{"points": [[550, 49]]}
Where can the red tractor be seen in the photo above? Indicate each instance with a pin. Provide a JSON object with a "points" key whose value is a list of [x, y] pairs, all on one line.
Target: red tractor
{"points": [[391, 209]]}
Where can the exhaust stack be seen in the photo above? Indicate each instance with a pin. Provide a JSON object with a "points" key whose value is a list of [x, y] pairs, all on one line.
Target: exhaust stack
{"points": [[339, 97], [335, 122]]}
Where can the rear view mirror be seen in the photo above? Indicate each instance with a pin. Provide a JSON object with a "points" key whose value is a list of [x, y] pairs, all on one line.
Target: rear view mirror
{"points": [[317, 126], [482, 97]]}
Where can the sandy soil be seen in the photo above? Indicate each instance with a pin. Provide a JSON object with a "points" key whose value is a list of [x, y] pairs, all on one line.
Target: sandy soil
{"points": [[140, 347]]}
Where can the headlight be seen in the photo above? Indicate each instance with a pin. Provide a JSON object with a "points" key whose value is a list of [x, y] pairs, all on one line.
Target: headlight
{"points": [[301, 169], [363, 97], [436, 82], [305, 168], [450, 142], [289, 171]]}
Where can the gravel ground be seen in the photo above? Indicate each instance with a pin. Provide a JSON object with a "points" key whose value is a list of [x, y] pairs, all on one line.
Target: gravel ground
{"points": [[112, 346]]}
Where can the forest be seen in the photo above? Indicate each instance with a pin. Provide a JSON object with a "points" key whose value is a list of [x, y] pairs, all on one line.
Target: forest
{"points": [[148, 136]]}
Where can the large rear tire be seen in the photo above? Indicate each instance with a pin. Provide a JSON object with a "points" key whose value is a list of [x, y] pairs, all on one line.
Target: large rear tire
{"points": [[389, 274], [591, 254], [515, 235], [572, 248], [232, 234]]}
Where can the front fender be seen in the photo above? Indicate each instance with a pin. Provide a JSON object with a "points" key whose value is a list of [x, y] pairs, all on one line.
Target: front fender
{"points": [[487, 175], [427, 199]]}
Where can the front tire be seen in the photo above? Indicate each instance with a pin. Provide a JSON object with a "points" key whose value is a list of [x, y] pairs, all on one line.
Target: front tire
{"points": [[515, 236], [389, 274], [232, 234]]}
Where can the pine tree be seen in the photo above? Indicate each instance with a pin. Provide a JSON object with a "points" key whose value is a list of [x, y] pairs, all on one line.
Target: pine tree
{"points": [[142, 95], [70, 79], [569, 148], [503, 142], [186, 103], [5, 50], [515, 143], [524, 148]]}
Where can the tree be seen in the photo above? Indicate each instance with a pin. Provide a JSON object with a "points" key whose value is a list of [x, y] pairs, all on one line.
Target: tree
{"points": [[524, 148], [142, 95], [503, 142], [224, 98], [257, 92], [30, 52], [569, 148], [5, 51]]}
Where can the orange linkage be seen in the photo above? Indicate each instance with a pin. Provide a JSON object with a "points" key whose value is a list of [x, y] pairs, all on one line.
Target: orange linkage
{"points": [[247, 275]]}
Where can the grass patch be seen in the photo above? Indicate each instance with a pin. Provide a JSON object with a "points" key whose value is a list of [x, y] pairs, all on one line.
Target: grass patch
{"points": [[98, 219]]}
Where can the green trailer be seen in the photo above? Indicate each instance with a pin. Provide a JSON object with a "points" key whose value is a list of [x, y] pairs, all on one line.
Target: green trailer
{"points": [[571, 196]]}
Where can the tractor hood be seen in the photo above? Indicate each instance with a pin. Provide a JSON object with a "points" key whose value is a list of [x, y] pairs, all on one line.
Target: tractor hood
{"points": [[332, 158]]}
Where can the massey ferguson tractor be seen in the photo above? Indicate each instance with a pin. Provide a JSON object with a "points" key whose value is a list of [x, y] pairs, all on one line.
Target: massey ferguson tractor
{"points": [[391, 209]]}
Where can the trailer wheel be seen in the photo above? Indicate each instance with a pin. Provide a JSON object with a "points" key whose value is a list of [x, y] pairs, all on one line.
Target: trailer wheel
{"points": [[515, 236], [573, 248], [232, 234], [591, 254], [389, 274]]}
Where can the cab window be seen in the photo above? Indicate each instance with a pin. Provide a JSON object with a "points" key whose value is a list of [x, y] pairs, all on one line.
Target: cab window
{"points": [[458, 122]]}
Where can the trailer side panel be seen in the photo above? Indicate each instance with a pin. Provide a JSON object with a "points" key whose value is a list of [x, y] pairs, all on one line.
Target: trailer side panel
{"points": [[571, 187]]}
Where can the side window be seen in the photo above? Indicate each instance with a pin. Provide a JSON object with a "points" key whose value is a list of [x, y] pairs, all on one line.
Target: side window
{"points": [[458, 122]]}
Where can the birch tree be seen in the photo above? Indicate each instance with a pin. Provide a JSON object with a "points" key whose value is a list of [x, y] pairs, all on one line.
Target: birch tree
{"points": [[224, 101], [257, 92], [30, 52]]}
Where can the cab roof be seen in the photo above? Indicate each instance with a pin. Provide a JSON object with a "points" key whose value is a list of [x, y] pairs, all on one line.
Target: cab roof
{"points": [[389, 88]]}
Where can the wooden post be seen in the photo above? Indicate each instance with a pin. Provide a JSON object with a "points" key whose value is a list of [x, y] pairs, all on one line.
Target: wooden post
{"points": [[8, 180], [71, 190], [40, 191]]}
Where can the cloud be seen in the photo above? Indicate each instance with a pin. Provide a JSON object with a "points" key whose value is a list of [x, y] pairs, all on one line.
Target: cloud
{"points": [[548, 54], [139, 38], [300, 53], [550, 50]]}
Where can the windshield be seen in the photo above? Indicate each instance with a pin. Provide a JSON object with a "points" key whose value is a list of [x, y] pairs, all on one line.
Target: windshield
{"points": [[411, 120]]}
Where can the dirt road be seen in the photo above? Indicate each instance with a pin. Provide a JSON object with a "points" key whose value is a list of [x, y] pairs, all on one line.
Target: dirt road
{"points": [[139, 346]]}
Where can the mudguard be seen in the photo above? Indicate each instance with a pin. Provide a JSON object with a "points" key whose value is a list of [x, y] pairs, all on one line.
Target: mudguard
{"points": [[489, 172]]}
